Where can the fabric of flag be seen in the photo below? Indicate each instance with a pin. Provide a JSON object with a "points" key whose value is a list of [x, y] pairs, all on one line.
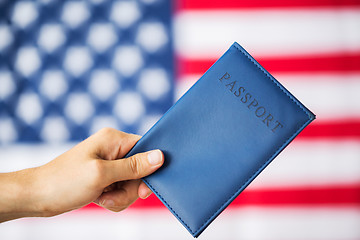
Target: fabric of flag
{"points": [[68, 68]]}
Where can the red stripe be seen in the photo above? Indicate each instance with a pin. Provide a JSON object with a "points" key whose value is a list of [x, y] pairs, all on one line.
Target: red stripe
{"points": [[347, 195], [246, 4], [314, 196], [346, 128], [342, 62]]}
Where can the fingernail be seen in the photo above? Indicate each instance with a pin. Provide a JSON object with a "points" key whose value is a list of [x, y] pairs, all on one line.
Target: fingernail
{"points": [[155, 157], [148, 195], [108, 203]]}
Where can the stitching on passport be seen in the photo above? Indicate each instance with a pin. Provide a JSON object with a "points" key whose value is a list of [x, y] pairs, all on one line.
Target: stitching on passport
{"points": [[273, 155], [262, 166], [169, 206], [255, 173], [271, 78]]}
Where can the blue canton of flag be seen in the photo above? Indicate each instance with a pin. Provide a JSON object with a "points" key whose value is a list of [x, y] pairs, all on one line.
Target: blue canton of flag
{"points": [[69, 68]]}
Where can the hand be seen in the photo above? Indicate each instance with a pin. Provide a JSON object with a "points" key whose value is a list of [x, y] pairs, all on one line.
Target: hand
{"points": [[92, 171]]}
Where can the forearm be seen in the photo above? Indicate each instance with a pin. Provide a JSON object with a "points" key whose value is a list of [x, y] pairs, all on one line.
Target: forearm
{"points": [[79, 177], [18, 198]]}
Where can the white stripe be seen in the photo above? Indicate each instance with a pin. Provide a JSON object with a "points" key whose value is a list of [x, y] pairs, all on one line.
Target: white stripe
{"points": [[207, 34], [329, 96], [333, 96], [313, 163], [183, 84], [21, 156], [288, 223], [242, 223], [302, 163]]}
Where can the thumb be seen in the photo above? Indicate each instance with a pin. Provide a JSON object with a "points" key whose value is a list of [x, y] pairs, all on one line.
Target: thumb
{"points": [[134, 167]]}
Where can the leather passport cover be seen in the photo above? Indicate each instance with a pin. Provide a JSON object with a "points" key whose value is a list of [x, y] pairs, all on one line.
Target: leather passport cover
{"points": [[219, 136]]}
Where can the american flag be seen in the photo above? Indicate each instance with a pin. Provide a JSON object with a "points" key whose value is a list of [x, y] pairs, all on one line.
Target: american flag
{"points": [[68, 68]]}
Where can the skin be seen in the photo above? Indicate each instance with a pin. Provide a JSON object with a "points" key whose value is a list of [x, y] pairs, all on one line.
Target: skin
{"points": [[92, 171]]}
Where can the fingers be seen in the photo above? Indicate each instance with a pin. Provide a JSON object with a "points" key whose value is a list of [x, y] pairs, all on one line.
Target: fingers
{"points": [[134, 167], [110, 144], [123, 194], [121, 197], [144, 191]]}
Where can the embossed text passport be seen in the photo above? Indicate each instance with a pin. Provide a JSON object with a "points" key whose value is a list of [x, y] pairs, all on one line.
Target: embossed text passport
{"points": [[219, 136]]}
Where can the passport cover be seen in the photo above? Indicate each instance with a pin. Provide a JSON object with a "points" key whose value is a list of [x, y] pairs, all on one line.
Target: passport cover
{"points": [[219, 136]]}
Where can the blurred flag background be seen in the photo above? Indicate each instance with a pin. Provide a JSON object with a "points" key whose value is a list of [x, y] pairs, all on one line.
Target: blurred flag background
{"points": [[69, 68]]}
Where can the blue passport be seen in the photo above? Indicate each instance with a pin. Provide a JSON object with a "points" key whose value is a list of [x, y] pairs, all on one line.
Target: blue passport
{"points": [[219, 136]]}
